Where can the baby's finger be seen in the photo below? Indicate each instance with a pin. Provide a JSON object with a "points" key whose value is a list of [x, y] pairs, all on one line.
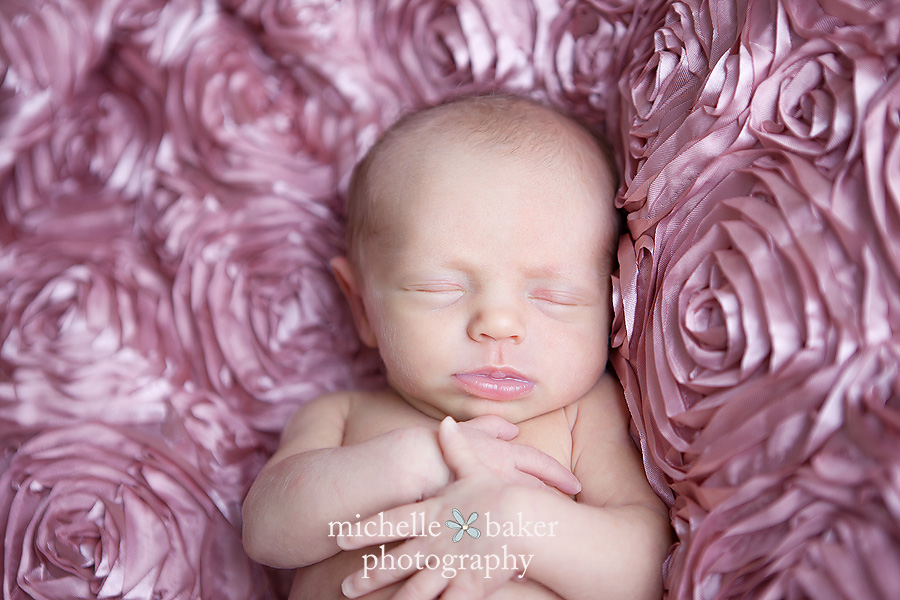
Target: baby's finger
{"points": [[399, 523], [526, 480], [424, 585], [458, 454], [546, 468], [480, 587], [456, 593], [381, 570], [494, 426]]}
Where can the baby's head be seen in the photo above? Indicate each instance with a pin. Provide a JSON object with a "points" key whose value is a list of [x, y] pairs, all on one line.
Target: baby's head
{"points": [[481, 242]]}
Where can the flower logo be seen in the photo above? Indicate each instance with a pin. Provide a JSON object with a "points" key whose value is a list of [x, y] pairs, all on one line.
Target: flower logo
{"points": [[463, 526]]}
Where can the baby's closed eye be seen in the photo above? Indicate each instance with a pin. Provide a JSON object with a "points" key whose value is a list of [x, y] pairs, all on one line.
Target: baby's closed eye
{"points": [[559, 297], [437, 294], [436, 288]]}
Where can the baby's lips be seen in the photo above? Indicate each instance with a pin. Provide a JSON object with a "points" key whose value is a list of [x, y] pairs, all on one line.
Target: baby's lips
{"points": [[491, 389], [495, 383]]}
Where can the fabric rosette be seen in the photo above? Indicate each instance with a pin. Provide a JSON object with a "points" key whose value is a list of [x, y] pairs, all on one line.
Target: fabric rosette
{"points": [[304, 28], [814, 102], [829, 528], [238, 122], [256, 304], [50, 46], [94, 511], [47, 52], [683, 101], [588, 44], [87, 333], [871, 24], [428, 51], [319, 45], [92, 163], [733, 315]]}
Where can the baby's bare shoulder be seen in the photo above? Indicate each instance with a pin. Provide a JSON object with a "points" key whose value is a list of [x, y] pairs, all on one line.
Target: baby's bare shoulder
{"points": [[338, 419], [319, 423], [375, 413]]}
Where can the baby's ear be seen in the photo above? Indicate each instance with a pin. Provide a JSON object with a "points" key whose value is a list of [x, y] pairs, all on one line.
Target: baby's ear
{"points": [[349, 283]]}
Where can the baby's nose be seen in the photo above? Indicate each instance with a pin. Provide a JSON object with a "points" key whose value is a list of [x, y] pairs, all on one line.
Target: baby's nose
{"points": [[497, 322]]}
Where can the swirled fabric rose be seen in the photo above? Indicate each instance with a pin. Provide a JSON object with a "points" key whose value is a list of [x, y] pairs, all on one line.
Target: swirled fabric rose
{"points": [[87, 332], [47, 51], [581, 66], [682, 99], [319, 45], [428, 50], [302, 27], [829, 528], [257, 305], [746, 293], [871, 24], [96, 158], [587, 48], [814, 102], [95, 511], [51, 46], [235, 119]]}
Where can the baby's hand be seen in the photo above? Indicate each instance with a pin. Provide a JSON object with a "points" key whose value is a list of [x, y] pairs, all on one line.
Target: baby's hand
{"points": [[489, 437], [449, 570]]}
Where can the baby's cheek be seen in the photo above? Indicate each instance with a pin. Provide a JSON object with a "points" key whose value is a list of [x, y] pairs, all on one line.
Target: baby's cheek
{"points": [[579, 354], [405, 354]]}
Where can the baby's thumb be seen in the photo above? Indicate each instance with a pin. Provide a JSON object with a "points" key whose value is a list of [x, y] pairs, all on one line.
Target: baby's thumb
{"points": [[458, 455]]}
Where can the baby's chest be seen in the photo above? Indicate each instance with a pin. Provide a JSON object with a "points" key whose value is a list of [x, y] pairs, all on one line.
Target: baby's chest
{"points": [[550, 434]]}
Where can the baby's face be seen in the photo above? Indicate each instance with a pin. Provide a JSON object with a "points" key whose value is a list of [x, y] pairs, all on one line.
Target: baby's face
{"points": [[490, 295]]}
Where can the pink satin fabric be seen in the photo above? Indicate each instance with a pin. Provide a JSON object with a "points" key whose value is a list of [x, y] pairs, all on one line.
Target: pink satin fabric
{"points": [[172, 176], [758, 294]]}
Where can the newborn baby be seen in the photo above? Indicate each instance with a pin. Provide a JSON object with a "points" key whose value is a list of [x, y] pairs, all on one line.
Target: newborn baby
{"points": [[481, 240]]}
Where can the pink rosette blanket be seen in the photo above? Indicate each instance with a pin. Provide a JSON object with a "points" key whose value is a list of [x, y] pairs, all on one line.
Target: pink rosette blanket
{"points": [[172, 176]]}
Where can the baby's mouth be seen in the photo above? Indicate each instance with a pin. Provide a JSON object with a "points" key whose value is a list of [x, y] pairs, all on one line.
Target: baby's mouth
{"points": [[495, 383]]}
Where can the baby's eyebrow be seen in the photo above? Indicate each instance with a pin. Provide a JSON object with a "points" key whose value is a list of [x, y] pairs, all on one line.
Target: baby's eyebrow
{"points": [[561, 274], [545, 271], [551, 271]]}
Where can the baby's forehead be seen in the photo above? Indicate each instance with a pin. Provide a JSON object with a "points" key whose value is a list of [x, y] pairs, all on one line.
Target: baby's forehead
{"points": [[425, 145], [517, 129]]}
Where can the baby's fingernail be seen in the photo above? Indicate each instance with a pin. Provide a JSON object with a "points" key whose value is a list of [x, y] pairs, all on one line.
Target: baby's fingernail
{"points": [[347, 588], [341, 541], [452, 422]]}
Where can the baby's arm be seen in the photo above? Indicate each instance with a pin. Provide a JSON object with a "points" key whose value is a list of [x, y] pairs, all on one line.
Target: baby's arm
{"points": [[609, 544], [616, 536], [312, 480]]}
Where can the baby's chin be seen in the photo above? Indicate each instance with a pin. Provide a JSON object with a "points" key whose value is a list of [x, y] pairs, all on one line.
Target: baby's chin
{"points": [[463, 407]]}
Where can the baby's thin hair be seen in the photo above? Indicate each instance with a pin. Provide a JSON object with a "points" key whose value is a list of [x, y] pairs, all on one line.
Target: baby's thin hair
{"points": [[513, 125]]}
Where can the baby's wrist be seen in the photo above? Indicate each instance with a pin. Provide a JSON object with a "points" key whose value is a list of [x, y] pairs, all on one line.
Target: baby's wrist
{"points": [[423, 471]]}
